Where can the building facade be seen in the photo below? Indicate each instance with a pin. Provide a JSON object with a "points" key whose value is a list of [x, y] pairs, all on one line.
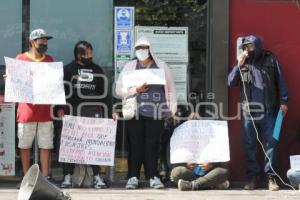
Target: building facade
{"points": [[213, 27]]}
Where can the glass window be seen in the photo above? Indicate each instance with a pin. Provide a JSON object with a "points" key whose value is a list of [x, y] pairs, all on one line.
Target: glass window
{"points": [[10, 33], [176, 13], [10, 28], [89, 20]]}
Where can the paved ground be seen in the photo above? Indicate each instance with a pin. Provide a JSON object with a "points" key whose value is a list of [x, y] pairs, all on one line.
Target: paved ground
{"points": [[166, 194], [117, 191]]}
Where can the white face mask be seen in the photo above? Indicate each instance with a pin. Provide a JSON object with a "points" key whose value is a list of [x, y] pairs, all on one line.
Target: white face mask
{"points": [[142, 54]]}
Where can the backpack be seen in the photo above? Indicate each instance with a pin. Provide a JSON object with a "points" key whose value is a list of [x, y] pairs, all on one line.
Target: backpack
{"points": [[82, 176]]}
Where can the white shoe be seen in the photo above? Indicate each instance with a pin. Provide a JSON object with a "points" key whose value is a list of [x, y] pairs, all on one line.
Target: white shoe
{"points": [[132, 183], [223, 186], [156, 183], [98, 182], [67, 181]]}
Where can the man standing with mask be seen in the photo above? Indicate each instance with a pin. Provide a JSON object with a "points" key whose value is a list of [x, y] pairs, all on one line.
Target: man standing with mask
{"points": [[262, 88], [34, 121]]}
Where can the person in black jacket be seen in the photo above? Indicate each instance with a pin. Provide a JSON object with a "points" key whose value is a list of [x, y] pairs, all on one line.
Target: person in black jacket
{"points": [[263, 93], [85, 93]]}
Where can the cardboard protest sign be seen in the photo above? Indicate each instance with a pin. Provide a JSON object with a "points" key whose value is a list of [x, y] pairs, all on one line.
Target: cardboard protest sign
{"points": [[200, 141], [88, 141], [34, 82]]}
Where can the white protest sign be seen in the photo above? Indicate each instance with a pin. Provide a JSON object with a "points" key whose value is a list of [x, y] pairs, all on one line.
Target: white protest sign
{"points": [[88, 141], [295, 162], [200, 141], [139, 77], [34, 82]]}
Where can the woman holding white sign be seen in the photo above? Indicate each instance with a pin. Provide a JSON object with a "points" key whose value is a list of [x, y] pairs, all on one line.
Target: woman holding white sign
{"points": [[154, 103]]}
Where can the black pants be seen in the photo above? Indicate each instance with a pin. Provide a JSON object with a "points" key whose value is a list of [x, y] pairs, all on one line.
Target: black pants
{"points": [[87, 111], [144, 138], [68, 169]]}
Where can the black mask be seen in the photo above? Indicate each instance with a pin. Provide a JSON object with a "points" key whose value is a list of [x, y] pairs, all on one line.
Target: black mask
{"points": [[86, 61], [42, 48], [251, 54]]}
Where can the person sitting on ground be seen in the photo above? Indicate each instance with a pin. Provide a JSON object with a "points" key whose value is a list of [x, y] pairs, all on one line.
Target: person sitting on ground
{"points": [[199, 176]]}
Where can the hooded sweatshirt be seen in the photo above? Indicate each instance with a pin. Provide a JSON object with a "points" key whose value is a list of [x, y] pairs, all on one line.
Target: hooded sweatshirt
{"points": [[263, 78], [86, 85], [170, 92]]}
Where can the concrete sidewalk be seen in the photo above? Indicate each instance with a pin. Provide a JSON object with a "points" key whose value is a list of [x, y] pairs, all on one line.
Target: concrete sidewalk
{"points": [[167, 194]]}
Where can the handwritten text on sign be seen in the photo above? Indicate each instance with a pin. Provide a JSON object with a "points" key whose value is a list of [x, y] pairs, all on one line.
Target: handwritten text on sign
{"points": [[200, 141], [34, 82], [88, 141]]}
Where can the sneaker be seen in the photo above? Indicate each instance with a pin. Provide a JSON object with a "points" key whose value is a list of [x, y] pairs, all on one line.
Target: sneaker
{"points": [[251, 184], [272, 185], [98, 182], [163, 175], [223, 186], [156, 183], [132, 183], [67, 183], [51, 180]]}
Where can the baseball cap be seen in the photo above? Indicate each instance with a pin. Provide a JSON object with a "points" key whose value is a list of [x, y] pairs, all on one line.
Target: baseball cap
{"points": [[248, 40], [142, 42], [39, 33]]}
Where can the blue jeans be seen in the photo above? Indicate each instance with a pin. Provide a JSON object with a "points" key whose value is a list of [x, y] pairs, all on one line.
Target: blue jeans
{"points": [[294, 177], [265, 128]]}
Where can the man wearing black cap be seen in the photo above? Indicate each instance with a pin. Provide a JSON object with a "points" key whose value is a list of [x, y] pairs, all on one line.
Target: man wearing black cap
{"points": [[34, 121], [263, 93]]}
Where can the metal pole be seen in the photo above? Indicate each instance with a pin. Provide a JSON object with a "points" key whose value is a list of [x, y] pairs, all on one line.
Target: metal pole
{"points": [[36, 147], [112, 173]]}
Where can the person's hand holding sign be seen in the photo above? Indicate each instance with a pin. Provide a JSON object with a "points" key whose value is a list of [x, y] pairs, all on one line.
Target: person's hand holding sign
{"points": [[61, 113], [206, 166], [115, 116], [143, 88], [191, 165]]}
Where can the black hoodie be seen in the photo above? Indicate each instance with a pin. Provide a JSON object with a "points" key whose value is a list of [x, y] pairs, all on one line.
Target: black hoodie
{"points": [[86, 80], [263, 78]]}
